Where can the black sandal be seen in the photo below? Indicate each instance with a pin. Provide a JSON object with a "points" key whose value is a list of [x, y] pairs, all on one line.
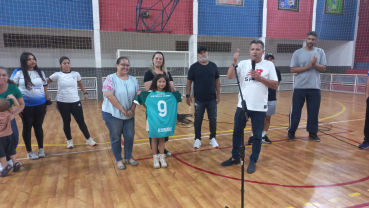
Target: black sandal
{"points": [[16, 166]]}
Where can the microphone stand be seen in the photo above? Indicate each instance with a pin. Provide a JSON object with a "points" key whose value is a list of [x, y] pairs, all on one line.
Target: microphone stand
{"points": [[245, 118]]}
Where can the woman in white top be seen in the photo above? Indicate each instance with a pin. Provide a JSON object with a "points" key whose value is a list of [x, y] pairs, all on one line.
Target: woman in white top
{"points": [[31, 81], [68, 101]]}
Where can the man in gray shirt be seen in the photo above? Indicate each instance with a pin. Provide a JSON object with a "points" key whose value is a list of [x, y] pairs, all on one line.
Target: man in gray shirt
{"points": [[308, 62]]}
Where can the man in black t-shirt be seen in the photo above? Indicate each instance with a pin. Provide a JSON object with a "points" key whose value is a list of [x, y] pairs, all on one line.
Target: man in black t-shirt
{"points": [[205, 76], [272, 100]]}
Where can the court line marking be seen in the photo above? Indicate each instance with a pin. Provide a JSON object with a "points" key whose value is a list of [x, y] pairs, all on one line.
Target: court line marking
{"points": [[66, 153], [283, 125]]}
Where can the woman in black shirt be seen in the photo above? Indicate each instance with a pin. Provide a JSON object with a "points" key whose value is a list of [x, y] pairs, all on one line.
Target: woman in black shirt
{"points": [[158, 67]]}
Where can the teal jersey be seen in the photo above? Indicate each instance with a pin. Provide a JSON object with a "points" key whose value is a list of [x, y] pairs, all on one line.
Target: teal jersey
{"points": [[161, 111]]}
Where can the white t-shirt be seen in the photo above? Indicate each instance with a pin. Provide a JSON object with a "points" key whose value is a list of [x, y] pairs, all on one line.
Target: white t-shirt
{"points": [[32, 95], [254, 92], [67, 86]]}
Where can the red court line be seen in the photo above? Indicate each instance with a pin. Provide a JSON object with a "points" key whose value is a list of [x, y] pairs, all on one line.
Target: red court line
{"points": [[264, 183], [272, 184], [359, 205]]}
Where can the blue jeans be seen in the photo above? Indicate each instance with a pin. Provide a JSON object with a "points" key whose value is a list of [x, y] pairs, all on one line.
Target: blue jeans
{"points": [[15, 136], [257, 121], [117, 127], [211, 107]]}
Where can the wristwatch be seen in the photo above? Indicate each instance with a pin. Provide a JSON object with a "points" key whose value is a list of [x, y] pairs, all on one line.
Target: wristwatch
{"points": [[48, 102], [188, 95], [85, 93]]}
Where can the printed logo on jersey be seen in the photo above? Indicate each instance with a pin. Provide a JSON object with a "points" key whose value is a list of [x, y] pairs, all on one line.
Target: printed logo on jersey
{"points": [[257, 70], [248, 75], [165, 129]]}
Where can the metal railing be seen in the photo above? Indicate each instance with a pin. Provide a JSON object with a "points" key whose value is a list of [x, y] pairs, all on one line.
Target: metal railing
{"points": [[90, 84], [347, 83]]}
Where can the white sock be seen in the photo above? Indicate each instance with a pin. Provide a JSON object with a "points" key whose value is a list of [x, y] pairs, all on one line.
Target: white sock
{"points": [[252, 134], [263, 134]]}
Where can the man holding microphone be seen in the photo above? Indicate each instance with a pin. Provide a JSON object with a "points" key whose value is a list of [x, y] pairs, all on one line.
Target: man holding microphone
{"points": [[255, 93]]}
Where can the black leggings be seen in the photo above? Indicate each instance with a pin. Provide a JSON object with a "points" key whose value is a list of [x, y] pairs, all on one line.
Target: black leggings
{"points": [[33, 116], [75, 109]]}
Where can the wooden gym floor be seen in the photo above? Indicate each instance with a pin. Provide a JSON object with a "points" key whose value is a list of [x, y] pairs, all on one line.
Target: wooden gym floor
{"points": [[302, 173]]}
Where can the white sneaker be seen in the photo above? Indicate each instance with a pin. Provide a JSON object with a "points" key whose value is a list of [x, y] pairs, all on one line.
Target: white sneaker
{"points": [[10, 162], [91, 142], [162, 161], [70, 144], [214, 143], [156, 161], [41, 153], [197, 144], [1, 168], [32, 156]]}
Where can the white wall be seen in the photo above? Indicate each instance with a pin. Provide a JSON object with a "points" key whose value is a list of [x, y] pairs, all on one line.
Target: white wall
{"points": [[9, 57], [338, 53], [112, 41]]}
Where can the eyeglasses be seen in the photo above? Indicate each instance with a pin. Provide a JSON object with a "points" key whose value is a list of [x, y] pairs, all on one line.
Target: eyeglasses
{"points": [[125, 65]]}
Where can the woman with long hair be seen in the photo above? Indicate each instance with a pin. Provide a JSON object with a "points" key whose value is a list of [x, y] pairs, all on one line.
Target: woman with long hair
{"points": [[158, 66], [32, 83], [8, 87], [68, 102]]}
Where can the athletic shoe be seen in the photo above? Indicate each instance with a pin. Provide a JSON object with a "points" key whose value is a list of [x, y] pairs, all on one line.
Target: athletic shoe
{"points": [[162, 161], [91, 142], [314, 137], [266, 140], [250, 140], [213, 142], [197, 144], [10, 162], [32, 156], [291, 136], [166, 152], [230, 162], [156, 161], [41, 153], [70, 144], [251, 168], [6, 170], [1, 168], [364, 145]]}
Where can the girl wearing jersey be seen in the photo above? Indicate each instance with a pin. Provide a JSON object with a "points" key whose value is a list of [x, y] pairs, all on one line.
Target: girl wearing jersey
{"points": [[32, 83], [68, 102], [158, 112], [158, 67]]}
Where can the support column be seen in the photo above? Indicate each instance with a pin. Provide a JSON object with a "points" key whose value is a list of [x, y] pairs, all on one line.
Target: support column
{"points": [[355, 35], [192, 42], [97, 46], [314, 16], [264, 26]]}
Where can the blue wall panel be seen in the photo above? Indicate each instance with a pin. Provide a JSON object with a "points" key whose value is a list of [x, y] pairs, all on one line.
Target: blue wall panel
{"points": [[68, 14], [361, 65], [336, 27], [219, 20]]}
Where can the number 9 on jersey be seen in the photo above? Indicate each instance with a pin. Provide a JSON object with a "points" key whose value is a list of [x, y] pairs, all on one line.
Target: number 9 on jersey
{"points": [[162, 108]]}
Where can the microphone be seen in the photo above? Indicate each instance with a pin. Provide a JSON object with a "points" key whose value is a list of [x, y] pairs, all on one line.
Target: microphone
{"points": [[253, 67]]}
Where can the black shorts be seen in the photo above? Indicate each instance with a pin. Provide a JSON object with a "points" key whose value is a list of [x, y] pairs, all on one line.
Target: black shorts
{"points": [[7, 146]]}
